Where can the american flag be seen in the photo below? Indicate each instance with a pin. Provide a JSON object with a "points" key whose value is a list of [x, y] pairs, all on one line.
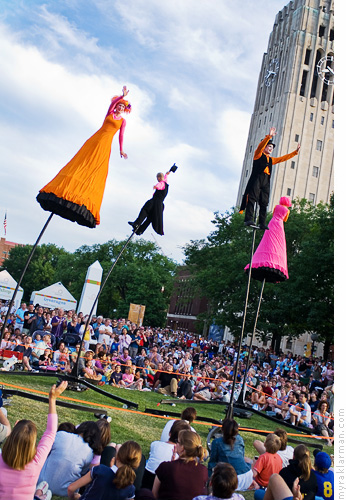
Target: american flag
{"points": [[5, 222]]}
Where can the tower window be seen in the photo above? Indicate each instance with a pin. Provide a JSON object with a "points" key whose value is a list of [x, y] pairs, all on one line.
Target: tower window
{"points": [[311, 117], [322, 120], [293, 164], [296, 139], [321, 31], [307, 56], [303, 83], [331, 35], [289, 190], [319, 145], [246, 173], [333, 124], [315, 171], [312, 197]]}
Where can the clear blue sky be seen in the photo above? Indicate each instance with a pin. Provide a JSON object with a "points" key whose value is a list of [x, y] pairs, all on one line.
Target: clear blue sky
{"points": [[192, 69]]}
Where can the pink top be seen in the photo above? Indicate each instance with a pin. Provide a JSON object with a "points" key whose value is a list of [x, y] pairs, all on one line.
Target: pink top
{"points": [[21, 484], [128, 378], [162, 184], [123, 124]]}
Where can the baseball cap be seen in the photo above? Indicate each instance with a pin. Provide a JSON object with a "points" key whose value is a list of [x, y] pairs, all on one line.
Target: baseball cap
{"points": [[322, 460]]}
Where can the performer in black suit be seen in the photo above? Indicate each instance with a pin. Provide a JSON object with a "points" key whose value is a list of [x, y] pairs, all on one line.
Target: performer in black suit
{"points": [[258, 186], [152, 210]]}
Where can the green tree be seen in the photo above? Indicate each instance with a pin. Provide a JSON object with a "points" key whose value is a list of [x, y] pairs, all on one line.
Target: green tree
{"points": [[302, 303], [142, 276], [42, 269]]}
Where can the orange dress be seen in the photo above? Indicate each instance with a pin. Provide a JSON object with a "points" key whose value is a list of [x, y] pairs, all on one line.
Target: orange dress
{"points": [[76, 192]]}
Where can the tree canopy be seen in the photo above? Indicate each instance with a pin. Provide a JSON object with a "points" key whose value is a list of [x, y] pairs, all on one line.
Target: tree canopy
{"points": [[142, 276], [302, 303]]}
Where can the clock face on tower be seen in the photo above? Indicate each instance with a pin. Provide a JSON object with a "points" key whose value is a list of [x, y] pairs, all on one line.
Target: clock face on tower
{"points": [[325, 69], [271, 72]]}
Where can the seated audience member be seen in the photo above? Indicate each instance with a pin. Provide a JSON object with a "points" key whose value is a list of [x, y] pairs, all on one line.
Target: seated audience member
{"points": [[258, 399], [285, 451], [189, 414], [300, 467], [230, 448], [321, 421], [90, 372], [70, 457], [267, 464], [5, 426], [21, 461], [45, 361], [26, 349], [167, 381], [184, 478], [161, 451], [105, 432], [116, 377], [223, 482], [305, 414], [324, 476], [278, 490], [105, 482]]}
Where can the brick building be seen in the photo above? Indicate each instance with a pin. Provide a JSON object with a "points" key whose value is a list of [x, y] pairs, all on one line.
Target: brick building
{"points": [[5, 247], [185, 304]]}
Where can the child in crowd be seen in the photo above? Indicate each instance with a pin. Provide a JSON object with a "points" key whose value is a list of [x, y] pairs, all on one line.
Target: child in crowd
{"points": [[223, 482], [324, 476], [300, 467], [64, 360], [116, 377], [45, 361], [267, 464], [127, 378], [90, 372], [105, 482]]}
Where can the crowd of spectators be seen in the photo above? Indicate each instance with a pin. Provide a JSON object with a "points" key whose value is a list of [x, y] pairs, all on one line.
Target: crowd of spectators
{"points": [[296, 389]]}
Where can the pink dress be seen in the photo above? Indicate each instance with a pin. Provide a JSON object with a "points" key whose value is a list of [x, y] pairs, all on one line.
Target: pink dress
{"points": [[270, 259]]}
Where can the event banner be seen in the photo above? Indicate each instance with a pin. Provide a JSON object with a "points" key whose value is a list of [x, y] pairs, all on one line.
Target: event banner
{"points": [[136, 314]]}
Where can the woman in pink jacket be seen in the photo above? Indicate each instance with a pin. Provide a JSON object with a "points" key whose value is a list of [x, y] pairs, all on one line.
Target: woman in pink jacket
{"points": [[21, 461]]}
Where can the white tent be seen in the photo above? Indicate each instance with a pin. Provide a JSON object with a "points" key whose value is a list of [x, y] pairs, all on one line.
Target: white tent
{"points": [[7, 287], [54, 296]]}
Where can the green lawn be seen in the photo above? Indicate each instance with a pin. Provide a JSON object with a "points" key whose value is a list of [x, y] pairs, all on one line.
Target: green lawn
{"points": [[126, 425]]}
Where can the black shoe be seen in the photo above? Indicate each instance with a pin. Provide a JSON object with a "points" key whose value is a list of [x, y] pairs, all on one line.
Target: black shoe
{"points": [[263, 227], [250, 223]]}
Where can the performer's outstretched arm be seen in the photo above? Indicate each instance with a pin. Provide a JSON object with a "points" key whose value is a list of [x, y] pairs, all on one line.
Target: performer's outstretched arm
{"points": [[280, 159]]}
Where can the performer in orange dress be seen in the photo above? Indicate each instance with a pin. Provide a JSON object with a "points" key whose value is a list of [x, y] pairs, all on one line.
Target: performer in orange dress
{"points": [[76, 192]]}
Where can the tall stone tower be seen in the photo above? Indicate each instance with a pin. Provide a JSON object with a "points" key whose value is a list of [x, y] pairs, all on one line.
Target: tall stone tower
{"points": [[295, 94]]}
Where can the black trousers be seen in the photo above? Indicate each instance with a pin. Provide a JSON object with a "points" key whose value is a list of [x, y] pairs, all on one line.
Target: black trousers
{"points": [[258, 193]]}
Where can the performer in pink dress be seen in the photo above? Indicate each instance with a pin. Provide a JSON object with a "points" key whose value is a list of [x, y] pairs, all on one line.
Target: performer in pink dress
{"points": [[270, 259]]}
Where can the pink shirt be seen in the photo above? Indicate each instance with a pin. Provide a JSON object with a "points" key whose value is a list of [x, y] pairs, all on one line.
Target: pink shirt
{"points": [[162, 184], [128, 378], [21, 484]]}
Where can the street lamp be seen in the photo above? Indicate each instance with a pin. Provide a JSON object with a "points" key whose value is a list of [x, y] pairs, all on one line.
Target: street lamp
{"points": [[314, 337]]}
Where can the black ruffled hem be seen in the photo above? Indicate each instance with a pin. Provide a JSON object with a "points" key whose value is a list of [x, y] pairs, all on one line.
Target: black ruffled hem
{"points": [[270, 274], [66, 209]]}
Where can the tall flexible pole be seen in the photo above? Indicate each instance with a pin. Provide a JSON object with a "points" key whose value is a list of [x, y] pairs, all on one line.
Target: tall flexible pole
{"points": [[229, 413], [23, 273], [75, 368], [251, 341]]}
